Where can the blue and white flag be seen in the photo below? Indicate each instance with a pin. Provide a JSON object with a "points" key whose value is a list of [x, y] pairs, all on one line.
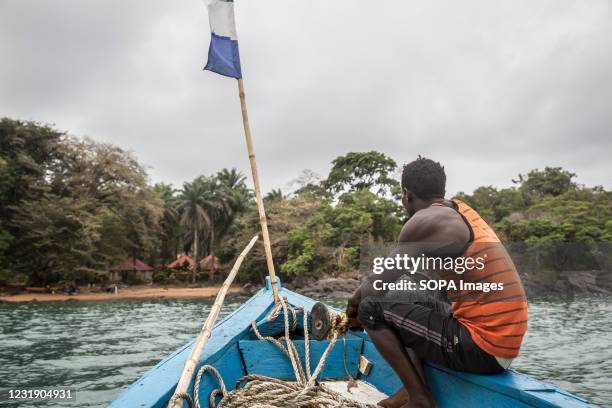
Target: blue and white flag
{"points": [[223, 56]]}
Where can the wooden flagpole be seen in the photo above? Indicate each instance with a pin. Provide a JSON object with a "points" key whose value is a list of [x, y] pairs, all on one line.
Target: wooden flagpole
{"points": [[262, 212], [196, 351]]}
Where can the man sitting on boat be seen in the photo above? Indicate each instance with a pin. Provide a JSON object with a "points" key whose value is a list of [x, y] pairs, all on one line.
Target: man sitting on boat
{"points": [[466, 330]]}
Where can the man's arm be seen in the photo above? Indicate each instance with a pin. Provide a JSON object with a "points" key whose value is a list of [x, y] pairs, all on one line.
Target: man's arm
{"points": [[353, 307], [425, 233], [413, 230]]}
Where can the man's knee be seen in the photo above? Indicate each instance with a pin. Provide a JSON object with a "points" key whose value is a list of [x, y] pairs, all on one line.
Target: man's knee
{"points": [[370, 314]]}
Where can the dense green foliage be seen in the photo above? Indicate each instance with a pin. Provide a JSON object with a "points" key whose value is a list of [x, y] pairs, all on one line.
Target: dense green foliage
{"points": [[548, 219], [357, 171], [208, 206], [71, 208], [546, 205]]}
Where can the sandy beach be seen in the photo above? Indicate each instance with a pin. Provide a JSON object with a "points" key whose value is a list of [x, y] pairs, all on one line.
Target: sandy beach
{"points": [[137, 292]]}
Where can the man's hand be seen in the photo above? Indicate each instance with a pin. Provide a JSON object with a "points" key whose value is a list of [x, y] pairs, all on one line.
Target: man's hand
{"points": [[353, 307]]}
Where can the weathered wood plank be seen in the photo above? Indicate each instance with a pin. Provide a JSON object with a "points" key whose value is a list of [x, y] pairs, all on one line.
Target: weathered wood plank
{"points": [[264, 358], [361, 391], [276, 327], [229, 365], [452, 391]]}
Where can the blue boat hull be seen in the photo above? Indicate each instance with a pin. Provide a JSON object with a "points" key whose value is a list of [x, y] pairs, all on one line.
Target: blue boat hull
{"points": [[235, 353]]}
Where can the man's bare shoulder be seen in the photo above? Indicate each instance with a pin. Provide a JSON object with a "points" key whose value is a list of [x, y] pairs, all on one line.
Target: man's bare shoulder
{"points": [[436, 223]]}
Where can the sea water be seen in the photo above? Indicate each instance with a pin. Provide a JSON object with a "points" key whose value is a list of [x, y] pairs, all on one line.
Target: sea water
{"points": [[99, 348]]}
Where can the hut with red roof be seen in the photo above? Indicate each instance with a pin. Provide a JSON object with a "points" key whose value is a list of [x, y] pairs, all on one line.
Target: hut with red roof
{"points": [[186, 263], [131, 270], [205, 263], [182, 262]]}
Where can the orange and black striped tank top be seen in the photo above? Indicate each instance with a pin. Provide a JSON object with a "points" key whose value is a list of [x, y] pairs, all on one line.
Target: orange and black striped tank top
{"points": [[496, 320]]}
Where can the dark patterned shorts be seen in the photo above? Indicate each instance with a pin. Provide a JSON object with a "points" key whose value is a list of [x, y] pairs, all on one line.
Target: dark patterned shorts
{"points": [[426, 325]]}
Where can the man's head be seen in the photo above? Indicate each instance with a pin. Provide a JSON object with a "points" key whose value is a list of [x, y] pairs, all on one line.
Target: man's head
{"points": [[423, 181]]}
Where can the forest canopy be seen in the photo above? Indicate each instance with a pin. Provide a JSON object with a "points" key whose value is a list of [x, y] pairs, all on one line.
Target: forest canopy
{"points": [[70, 208]]}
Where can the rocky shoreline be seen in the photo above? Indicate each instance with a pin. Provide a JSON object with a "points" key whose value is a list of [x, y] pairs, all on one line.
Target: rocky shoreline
{"points": [[325, 288], [567, 283]]}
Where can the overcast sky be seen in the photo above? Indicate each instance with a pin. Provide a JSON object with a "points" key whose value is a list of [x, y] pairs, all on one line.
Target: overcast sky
{"points": [[490, 89]]}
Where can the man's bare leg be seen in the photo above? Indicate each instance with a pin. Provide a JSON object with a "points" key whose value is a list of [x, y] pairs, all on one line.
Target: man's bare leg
{"points": [[389, 346], [401, 397], [396, 400], [417, 363]]}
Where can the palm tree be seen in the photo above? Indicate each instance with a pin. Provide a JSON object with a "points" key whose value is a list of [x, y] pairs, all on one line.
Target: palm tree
{"points": [[208, 206], [239, 197], [169, 221], [217, 202], [232, 179], [234, 183], [275, 195], [194, 216]]}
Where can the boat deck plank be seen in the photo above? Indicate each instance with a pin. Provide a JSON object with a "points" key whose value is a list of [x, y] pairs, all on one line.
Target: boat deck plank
{"points": [[362, 392], [264, 358]]}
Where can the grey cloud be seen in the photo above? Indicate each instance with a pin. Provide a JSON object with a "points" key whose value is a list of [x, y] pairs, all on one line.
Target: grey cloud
{"points": [[490, 89]]}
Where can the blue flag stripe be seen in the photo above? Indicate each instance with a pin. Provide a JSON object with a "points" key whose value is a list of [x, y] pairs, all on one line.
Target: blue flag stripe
{"points": [[224, 57]]}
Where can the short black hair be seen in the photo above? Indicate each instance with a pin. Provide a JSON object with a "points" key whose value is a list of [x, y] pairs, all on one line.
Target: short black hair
{"points": [[425, 178]]}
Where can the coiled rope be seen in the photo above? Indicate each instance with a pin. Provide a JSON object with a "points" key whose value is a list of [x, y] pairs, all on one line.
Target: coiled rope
{"points": [[258, 391]]}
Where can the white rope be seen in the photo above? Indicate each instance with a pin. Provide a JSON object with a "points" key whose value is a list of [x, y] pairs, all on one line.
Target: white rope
{"points": [[258, 391]]}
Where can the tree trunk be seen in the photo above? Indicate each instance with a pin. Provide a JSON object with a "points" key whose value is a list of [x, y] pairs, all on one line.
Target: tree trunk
{"points": [[196, 266], [262, 279], [177, 247], [212, 252]]}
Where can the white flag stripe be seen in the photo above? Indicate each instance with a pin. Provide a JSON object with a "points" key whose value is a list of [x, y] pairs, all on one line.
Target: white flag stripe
{"points": [[221, 17]]}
